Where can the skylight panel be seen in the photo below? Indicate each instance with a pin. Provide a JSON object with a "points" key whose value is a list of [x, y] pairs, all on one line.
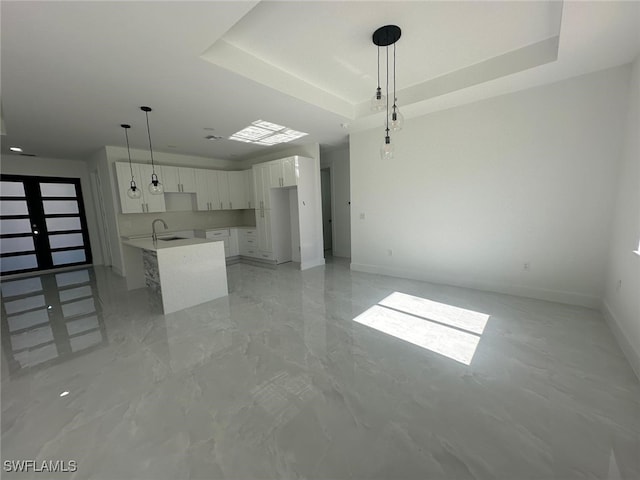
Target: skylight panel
{"points": [[261, 132]]}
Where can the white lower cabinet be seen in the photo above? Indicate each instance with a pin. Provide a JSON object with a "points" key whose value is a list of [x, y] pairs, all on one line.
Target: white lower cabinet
{"points": [[248, 242], [265, 238], [228, 236]]}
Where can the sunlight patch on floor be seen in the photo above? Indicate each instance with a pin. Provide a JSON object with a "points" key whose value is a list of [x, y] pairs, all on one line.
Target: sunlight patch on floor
{"points": [[444, 329]]}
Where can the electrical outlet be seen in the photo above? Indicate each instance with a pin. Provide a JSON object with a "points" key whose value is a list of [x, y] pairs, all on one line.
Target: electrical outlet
{"points": [[526, 267], [362, 216], [618, 285]]}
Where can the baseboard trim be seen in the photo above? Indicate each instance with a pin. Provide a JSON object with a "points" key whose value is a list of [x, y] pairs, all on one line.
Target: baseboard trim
{"points": [[632, 355], [571, 298]]}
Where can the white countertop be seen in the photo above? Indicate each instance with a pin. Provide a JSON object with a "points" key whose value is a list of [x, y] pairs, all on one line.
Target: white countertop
{"points": [[147, 243]]}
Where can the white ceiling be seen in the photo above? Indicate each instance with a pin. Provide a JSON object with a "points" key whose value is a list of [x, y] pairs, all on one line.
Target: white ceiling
{"points": [[72, 72]]}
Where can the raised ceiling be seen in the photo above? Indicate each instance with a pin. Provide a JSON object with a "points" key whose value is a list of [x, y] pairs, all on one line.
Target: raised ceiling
{"points": [[72, 72]]}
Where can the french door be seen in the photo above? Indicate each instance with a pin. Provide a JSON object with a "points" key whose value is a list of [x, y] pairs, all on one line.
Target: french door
{"points": [[42, 224]]}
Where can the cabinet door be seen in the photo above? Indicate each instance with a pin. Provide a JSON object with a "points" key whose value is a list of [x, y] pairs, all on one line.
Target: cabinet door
{"points": [[263, 225], [237, 190], [203, 197], [123, 175], [275, 174], [187, 178], [258, 183], [290, 172], [169, 178], [155, 203], [234, 249], [249, 199], [223, 191]]}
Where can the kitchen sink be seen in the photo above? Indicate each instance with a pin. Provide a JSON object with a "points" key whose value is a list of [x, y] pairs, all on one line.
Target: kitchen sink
{"points": [[168, 239]]}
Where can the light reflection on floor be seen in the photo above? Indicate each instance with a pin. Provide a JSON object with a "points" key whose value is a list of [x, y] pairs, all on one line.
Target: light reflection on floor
{"points": [[445, 329], [49, 318]]}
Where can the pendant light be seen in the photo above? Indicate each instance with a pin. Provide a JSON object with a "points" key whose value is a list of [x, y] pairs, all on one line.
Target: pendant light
{"points": [[396, 121], [133, 192], [155, 187], [378, 101], [383, 37]]}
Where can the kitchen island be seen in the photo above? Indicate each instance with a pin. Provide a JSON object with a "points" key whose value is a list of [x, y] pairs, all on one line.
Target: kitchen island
{"points": [[183, 272]]}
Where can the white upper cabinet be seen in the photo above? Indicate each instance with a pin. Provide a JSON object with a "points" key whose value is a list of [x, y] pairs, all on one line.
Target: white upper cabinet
{"points": [[155, 203], [275, 174], [207, 197], [237, 190], [249, 195], [223, 191], [142, 176], [170, 179], [290, 172], [262, 185], [178, 179], [187, 178], [123, 174]]}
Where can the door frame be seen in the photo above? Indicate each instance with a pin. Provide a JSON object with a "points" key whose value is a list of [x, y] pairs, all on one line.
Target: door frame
{"points": [[34, 200]]}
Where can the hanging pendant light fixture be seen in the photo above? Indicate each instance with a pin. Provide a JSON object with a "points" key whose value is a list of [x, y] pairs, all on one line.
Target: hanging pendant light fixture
{"points": [[133, 192], [396, 120], [383, 37], [378, 101], [155, 187]]}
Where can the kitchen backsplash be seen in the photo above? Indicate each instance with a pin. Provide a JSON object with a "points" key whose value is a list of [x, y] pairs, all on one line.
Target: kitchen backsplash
{"points": [[140, 223]]}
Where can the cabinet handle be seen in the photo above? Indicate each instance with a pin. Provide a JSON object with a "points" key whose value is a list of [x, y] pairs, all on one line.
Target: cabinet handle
{"points": [[249, 203], [221, 207], [231, 205]]}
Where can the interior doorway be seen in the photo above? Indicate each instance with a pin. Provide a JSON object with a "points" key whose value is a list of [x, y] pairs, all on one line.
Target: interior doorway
{"points": [[327, 225], [42, 224]]}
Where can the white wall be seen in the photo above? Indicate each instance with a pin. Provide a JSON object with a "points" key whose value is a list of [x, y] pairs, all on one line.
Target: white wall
{"points": [[54, 167], [476, 191], [338, 161], [621, 303]]}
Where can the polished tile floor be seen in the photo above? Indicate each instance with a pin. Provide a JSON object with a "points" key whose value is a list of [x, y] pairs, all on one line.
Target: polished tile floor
{"points": [[322, 374]]}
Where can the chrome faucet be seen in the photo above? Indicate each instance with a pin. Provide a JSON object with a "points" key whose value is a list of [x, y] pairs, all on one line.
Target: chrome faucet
{"points": [[154, 235]]}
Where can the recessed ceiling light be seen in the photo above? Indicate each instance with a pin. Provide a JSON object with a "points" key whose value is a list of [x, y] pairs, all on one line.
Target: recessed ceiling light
{"points": [[266, 133], [15, 149], [212, 137]]}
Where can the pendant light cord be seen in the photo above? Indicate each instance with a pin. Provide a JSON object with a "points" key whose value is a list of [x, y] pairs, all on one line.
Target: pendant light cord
{"points": [[126, 134], [378, 67], [387, 120], [153, 170], [394, 77]]}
